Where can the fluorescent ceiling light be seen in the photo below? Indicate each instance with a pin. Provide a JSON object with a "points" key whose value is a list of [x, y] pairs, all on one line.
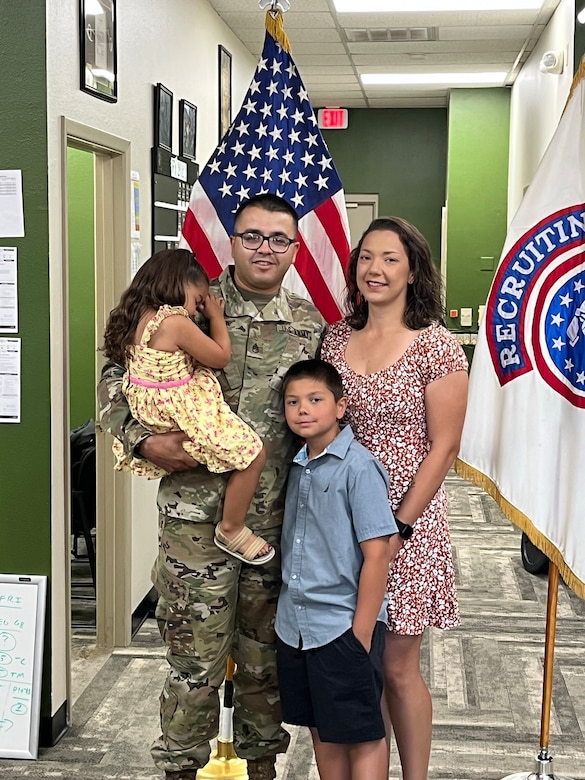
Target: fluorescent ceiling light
{"points": [[449, 79], [428, 6]]}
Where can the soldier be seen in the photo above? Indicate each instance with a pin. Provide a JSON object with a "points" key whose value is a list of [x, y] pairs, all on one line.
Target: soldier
{"points": [[210, 604]]}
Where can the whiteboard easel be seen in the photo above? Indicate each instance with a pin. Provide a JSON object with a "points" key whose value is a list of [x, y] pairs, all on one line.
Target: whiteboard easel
{"points": [[22, 623]]}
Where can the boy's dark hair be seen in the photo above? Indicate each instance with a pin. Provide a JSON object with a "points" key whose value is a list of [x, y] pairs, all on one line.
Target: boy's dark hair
{"points": [[160, 280], [269, 202], [317, 369]]}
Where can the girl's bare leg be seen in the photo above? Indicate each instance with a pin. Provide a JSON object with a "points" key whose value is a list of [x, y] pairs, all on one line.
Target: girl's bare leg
{"points": [[239, 493]]}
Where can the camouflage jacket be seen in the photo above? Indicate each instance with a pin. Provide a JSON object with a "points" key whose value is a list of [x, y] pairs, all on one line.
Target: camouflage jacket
{"points": [[264, 344]]}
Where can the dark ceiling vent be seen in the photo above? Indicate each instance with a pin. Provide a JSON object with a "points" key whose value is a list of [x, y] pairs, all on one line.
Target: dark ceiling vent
{"points": [[390, 34]]}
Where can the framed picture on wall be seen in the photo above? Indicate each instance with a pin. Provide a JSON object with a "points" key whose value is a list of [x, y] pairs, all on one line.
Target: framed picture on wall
{"points": [[163, 117], [187, 129], [98, 57], [225, 90]]}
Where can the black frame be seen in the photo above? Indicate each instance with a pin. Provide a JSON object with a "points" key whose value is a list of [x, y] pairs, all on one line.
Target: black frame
{"points": [[163, 117], [94, 59], [224, 63], [187, 129]]}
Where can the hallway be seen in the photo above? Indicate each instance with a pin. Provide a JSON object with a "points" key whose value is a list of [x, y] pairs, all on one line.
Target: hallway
{"points": [[486, 677]]}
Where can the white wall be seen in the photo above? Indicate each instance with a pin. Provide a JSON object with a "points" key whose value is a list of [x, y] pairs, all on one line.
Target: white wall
{"points": [[144, 536], [169, 41], [537, 103]]}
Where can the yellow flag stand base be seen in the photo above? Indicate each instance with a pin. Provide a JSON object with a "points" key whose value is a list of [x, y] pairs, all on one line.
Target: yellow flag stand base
{"points": [[224, 763], [543, 769]]}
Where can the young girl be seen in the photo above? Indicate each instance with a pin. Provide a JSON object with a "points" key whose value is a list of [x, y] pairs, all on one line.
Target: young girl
{"points": [[169, 387]]}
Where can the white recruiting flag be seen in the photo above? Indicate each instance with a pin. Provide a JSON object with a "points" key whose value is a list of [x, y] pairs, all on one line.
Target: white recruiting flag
{"points": [[524, 433]]}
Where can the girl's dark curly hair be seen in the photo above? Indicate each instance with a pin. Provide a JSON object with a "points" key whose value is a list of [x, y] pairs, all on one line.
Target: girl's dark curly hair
{"points": [[423, 298], [160, 280]]}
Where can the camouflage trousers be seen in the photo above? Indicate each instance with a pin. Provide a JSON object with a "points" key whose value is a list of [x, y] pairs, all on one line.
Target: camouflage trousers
{"points": [[211, 605]]}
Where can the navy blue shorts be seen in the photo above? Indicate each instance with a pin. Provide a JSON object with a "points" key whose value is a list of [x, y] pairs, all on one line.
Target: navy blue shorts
{"points": [[336, 689]]}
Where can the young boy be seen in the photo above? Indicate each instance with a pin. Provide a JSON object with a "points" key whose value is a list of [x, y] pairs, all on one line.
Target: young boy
{"points": [[330, 620]]}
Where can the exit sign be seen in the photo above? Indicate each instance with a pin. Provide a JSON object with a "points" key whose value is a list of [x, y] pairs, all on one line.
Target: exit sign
{"points": [[332, 118]]}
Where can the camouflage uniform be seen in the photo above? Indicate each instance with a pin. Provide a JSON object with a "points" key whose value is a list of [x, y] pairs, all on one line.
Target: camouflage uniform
{"points": [[210, 604]]}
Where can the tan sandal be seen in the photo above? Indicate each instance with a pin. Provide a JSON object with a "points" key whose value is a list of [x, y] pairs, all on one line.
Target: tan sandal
{"points": [[232, 546]]}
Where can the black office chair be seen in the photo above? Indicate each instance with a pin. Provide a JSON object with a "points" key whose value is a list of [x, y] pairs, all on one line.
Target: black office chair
{"points": [[83, 491]]}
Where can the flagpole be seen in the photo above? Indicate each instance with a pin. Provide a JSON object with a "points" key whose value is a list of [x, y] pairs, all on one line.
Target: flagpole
{"points": [[543, 768]]}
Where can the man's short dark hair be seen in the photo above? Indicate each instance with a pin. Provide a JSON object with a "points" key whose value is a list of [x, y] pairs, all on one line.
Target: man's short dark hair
{"points": [[317, 369], [269, 202]]}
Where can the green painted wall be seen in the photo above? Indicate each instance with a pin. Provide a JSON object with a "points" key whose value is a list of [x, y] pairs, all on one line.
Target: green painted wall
{"points": [[80, 194], [24, 454], [477, 186], [399, 153], [25, 474]]}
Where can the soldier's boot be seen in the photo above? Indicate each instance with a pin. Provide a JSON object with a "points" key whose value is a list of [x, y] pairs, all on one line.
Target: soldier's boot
{"points": [[262, 769], [182, 774]]}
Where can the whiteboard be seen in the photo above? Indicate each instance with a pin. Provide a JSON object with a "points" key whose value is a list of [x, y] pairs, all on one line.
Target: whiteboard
{"points": [[22, 623]]}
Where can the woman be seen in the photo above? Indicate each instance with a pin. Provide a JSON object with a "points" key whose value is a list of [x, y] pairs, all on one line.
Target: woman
{"points": [[405, 377]]}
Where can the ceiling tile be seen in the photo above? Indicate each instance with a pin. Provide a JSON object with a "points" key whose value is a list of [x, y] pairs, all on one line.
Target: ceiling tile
{"points": [[517, 32], [330, 81], [328, 63], [432, 47]]}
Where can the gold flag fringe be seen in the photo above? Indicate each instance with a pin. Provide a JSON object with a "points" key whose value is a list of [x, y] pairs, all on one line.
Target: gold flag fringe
{"points": [[275, 26], [519, 519], [579, 74]]}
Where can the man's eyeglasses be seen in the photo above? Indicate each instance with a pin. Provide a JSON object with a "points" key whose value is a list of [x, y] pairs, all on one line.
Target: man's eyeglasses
{"points": [[278, 243]]}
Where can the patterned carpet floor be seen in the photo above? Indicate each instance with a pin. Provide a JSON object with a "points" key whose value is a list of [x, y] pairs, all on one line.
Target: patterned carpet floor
{"points": [[485, 678]]}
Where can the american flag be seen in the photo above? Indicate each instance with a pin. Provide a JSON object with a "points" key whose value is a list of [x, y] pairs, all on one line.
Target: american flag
{"points": [[274, 146]]}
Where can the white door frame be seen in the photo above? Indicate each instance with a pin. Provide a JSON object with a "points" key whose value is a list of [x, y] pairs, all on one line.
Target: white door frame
{"points": [[354, 200], [112, 264]]}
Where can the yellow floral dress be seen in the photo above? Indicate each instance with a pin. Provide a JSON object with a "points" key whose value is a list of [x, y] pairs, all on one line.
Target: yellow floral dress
{"points": [[168, 391]]}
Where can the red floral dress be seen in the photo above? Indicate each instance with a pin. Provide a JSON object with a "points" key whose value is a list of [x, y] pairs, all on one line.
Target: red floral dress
{"points": [[386, 410]]}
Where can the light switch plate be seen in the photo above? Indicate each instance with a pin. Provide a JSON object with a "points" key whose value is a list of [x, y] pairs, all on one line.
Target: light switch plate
{"points": [[466, 318]]}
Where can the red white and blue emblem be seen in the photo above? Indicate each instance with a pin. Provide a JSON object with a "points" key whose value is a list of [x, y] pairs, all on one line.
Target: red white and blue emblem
{"points": [[536, 308]]}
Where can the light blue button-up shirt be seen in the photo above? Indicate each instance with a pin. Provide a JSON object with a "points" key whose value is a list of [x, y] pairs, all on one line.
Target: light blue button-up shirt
{"points": [[333, 502]]}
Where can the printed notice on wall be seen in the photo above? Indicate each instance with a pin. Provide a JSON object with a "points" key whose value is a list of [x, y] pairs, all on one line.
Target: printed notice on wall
{"points": [[11, 209], [22, 623], [8, 290], [9, 380], [134, 204]]}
